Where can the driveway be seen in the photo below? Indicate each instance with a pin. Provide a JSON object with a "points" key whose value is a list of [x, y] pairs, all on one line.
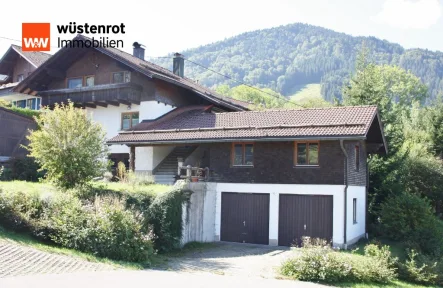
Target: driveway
{"points": [[233, 259], [18, 260], [147, 278]]}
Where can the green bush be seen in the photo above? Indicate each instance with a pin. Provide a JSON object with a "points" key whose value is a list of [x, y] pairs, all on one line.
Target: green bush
{"points": [[165, 217], [322, 263], [69, 145], [105, 228], [25, 169], [419, 269], [19, 209], [409, 218]]}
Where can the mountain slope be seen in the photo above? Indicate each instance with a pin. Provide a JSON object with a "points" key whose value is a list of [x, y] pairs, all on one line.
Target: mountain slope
{"points": [[289, 57]]}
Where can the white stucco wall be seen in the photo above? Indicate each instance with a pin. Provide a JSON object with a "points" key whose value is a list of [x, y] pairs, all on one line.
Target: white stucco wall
{"points": [[110, 118], [147, 158], [356, 231], [152, 109], [337, 191]]}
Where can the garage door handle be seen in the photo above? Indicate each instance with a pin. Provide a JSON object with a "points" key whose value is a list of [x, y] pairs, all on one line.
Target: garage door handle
{"points": [[305, 226], [244, 223]]}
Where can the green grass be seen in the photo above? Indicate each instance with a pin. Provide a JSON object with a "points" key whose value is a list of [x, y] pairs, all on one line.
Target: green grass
{"points": [[27, 240], [121, 187], [307, 91], [397, 249], [393, 284]]}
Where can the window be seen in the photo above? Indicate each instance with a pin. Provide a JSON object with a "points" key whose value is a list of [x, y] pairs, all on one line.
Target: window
{"points": [[354, 210], [30, 103], [21, 103], [306, 153], [89, 81], [357, 157], [20, 77], [242, 154], [75, 82], [129, 120], [121, 77]]}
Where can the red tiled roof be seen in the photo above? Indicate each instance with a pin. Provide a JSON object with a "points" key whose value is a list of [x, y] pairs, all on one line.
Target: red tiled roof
{"points": [[197, 123]]}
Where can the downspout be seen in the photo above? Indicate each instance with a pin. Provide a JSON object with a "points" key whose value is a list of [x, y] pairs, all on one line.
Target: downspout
{"points": [[346, 193]]}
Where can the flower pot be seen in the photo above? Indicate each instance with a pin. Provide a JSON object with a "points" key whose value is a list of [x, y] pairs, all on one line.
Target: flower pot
{"points": [[194, 179]]}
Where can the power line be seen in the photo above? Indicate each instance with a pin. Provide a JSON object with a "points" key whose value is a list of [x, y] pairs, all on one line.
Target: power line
{"points": [[209, 69], [242, 83], [230, 78]]}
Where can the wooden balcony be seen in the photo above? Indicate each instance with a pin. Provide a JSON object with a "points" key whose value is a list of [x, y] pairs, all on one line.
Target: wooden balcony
{"points": [[99, 95]]}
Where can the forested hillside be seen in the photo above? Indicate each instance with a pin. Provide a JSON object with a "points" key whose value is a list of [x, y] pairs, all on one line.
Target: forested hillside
{"points": [[287, 58]]}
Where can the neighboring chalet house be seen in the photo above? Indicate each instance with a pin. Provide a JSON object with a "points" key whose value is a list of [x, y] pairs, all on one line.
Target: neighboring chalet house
{"points": [[15, 66], [14, 128], [120, 89], [273, 176]]}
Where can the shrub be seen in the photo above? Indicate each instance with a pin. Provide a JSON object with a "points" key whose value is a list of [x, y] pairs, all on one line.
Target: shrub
{"points": [[165, 216], [25, 169], [69, 145], [409, 218], [321, 263], [105, 228], [19, 209], [419, 269]]}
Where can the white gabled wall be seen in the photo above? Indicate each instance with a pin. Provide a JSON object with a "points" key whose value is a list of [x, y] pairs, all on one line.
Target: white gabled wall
{"points": [[152, 109], [356, 230], [110, 118], [337, 191]]}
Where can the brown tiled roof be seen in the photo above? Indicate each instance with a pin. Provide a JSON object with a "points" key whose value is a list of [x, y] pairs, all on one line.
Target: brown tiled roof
{"points": [[36, 58], [198, 124]]}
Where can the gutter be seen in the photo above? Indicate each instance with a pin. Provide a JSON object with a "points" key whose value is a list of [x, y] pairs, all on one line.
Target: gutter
{"points": [[346, 194], [222, 140]]}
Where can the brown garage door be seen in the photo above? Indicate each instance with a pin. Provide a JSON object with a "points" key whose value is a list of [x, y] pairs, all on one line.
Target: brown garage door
{"points": [[245, 218], [304, 215]]}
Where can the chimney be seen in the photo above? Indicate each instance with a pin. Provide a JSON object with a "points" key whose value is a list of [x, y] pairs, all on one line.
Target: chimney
{"points": [[178, 65], [138, 51]]}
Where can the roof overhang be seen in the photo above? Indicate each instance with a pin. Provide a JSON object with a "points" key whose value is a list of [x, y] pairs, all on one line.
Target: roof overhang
{"points": [[262, 139], [36, 75]]}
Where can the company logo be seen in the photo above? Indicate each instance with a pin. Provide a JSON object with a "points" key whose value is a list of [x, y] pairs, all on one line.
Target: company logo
{"points": [[36, 37]]}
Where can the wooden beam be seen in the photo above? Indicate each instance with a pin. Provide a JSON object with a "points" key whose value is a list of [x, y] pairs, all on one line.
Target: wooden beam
{"points": [[125, 102], [27, 90], [113, 103], [90, 105], [132, 158], [134, 102], [101, 104], [33, 93]]}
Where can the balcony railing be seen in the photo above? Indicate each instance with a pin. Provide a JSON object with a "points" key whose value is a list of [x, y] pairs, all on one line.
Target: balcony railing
{"points": [[99, 95]]}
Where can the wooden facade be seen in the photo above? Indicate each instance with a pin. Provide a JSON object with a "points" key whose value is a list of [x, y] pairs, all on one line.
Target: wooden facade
{"points": [[12, 139]]}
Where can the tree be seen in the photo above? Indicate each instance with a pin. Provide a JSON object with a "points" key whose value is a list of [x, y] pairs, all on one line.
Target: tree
{"points": [[69, 145]]}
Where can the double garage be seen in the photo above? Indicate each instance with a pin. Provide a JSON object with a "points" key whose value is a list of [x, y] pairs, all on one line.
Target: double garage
{"points": [[247, 217]]}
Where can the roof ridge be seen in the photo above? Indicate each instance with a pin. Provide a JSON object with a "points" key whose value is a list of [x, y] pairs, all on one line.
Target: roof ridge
{"points": [[302, 109], [240, 128]]}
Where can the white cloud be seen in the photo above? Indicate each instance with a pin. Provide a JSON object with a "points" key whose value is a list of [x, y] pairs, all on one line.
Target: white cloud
{"points": [[407, 14]]}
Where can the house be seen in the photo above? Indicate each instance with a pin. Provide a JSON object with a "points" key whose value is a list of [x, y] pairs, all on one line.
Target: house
{"points": [[274, 175], [120, 89], [15, 66], [13, 138]]}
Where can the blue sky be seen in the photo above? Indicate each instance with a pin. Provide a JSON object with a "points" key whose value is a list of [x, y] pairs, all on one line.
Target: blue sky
{"points": [[169, 26]]}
